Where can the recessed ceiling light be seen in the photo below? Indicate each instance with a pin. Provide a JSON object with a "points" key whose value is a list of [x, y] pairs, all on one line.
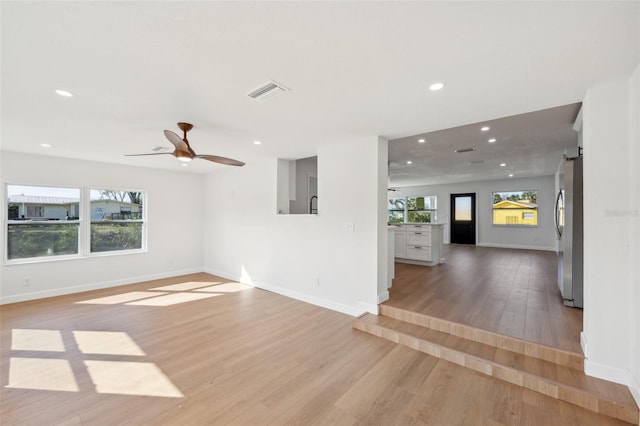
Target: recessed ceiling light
{"points": [[421, 140], [503, 164], [45, 145], [492, 140], [485, 128], [184, 164], [409, 162], [64, 93], [257, 143], [436, 86], [510, 174]]}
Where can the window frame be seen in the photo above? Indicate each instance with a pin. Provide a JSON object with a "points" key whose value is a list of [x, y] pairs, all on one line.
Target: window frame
{"points": [[520, 212], [83, 222]]}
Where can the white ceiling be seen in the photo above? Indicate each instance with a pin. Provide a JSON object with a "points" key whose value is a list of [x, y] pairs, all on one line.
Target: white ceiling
{"points": [[528, 145], [354, 69]]}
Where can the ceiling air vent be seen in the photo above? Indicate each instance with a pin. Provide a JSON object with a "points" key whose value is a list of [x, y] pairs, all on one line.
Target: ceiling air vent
{"points": [[460, 151], [267, 91], [471, 163]]}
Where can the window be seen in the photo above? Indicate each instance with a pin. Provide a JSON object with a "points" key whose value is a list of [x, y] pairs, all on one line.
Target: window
{"points": [[463, 208], [116, 220], [413, 209], [396, 209], [47, 222], [35, 211], [515, 208], [42, 221]]}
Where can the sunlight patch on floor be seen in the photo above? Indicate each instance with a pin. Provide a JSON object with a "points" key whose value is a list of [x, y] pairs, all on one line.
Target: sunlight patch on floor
{"points": [[172, 299], [41, 374], [106, 343], [36, 340], [186, 286], [122, 298], [130, 378], [226, 288], [116, 376]]}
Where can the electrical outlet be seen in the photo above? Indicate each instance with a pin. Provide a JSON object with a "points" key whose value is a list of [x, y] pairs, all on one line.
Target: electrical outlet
{"points": [[27, 282], [317, 280], [351, 226]]}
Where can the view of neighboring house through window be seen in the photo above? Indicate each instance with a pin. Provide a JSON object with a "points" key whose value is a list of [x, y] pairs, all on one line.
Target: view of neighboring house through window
{"points": [[42, 221], [116, 220], [413, 209], [515, 208], [47, 222]]}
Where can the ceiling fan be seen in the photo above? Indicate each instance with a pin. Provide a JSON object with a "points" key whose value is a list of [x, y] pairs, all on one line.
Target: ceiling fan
{"points": [[183, 151]]}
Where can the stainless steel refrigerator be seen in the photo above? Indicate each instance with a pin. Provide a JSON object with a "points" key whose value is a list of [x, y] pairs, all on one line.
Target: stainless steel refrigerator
{"points": [[569, 229]]}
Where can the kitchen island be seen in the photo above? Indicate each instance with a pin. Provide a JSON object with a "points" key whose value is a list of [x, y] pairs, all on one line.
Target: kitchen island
{"points": [[418, 243]]}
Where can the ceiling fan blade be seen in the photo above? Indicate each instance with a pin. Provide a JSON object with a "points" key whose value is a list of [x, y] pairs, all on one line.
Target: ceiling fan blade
{"points": [[176, 140], [221, 160], [153, 153]]}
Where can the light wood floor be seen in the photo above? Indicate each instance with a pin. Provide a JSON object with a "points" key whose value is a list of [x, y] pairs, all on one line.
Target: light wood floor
{"points": [[244, 356], [511, 292]]}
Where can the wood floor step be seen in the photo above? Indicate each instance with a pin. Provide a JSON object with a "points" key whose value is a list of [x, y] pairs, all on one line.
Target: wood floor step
{"points": [[548, 378], [513, 344]]}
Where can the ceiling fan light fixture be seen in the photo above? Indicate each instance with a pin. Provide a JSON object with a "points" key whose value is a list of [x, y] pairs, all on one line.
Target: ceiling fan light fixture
{"points": [[183, 156]]}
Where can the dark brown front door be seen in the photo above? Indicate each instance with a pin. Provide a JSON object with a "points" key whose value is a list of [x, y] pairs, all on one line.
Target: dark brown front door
{"points": [[463, 219]]}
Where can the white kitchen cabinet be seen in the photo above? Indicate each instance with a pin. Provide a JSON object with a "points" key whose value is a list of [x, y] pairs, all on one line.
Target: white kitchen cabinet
{"points": [[419, 243], [400, 240]]}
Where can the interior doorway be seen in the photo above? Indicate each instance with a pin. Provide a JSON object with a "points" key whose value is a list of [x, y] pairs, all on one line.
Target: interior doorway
{"points": [[463, 219]]}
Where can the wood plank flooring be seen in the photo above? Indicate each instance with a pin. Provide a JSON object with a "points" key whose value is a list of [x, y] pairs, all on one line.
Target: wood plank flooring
{"points": [[196, 350], [511, 292]]}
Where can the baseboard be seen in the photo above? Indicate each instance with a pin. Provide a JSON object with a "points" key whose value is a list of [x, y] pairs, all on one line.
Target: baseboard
{"points": [[24, 297], [634, 387], [583, 344], [612, 374], [314, 300], [517, 246], [383, 297]]}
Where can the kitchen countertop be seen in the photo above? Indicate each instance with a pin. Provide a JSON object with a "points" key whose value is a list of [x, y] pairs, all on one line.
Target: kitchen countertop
{"points": [[415, 223]]}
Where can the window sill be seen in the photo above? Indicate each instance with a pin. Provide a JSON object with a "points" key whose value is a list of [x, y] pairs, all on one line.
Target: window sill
{"points": [[62, 258]]}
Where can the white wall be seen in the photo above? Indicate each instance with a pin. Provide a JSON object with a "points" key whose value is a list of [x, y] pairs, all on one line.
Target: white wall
{"points": [[541, 237], [174, 217], [383, 234], [611, 215], [315, 258], [634, 231]]}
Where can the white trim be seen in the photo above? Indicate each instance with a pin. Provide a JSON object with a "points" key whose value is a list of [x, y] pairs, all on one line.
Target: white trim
{"points": [[383, 297], [634, 387], [583, 344], [517, 246], [612, 374], [23, 297], [318, 301]]}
